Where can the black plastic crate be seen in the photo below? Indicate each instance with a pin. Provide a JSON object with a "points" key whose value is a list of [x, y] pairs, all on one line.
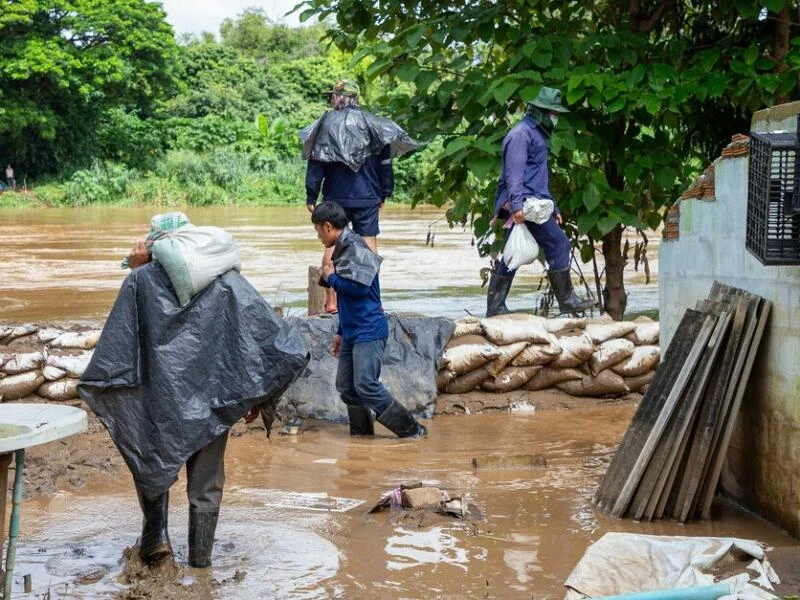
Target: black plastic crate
{"points": [[773, 207]]}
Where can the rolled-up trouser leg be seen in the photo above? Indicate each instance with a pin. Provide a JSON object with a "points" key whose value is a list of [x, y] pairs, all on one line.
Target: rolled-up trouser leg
{"points": [[205, 472]]}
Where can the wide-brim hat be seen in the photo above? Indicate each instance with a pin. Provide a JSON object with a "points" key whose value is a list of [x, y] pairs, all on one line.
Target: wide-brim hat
{"points": [[346, 88], [549, 99]]}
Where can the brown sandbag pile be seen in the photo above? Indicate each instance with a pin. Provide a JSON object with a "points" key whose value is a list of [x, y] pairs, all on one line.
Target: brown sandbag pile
{"points": [[582, 357], [45, 362]]}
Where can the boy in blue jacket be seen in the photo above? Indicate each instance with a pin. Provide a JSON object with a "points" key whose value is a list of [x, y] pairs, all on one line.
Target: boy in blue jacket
{"points": [[360, 340]]}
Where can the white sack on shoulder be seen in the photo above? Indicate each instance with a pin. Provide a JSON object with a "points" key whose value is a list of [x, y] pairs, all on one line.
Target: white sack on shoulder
{"points": [[575, 350], [520, 249], [194, 256], [643, 359], [510, 328], [610, 353]]}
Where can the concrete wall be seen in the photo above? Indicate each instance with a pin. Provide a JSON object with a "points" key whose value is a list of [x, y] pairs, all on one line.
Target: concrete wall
{"points": [[763, 470]]}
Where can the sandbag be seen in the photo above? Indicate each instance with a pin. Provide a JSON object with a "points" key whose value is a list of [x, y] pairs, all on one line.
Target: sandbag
{"points": [[604, 383], [468, 357], [557, 324], [520, 248], [52, 373], [519, 327], [468, 382], [83, 340], [548, 377], [21, 363], [48, 334], [575, 350], [645, 334], [510, 379], [536, 354], [443, 378], [643, 359], [65, 389], [15, 387], [602, 332], [468, 326], [464, 340], [194, 256], [507, 353], [638, 383], [9, 334], [610, 353], [73, 365]]}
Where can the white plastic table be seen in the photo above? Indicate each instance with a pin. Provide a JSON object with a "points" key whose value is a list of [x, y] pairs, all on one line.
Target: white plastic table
{"points": [[22, 426]]}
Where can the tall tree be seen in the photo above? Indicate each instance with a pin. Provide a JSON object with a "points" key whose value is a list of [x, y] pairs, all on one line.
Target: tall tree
{"points": [[653, 85], [63, 62]]}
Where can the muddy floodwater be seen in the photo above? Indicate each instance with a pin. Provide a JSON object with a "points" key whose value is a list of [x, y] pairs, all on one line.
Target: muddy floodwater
{"points": [[63, 264], [294, 520]]}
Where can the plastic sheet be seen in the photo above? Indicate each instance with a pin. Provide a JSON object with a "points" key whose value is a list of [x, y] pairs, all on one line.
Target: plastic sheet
{"points": [[166, 381], [351, 136]]}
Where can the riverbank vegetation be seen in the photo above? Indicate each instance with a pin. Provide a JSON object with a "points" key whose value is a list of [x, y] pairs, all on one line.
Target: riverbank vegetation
{"points": [[119, 112]]}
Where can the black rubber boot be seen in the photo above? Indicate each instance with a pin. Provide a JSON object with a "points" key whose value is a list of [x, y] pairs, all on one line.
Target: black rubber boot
{"points": [[154, 543], [400, 421], [499, 286], [568, 300], [361, 422], [202, 526]]}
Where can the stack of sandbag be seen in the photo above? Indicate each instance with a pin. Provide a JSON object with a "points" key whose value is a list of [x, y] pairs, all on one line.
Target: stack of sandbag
{"points": [[583, 357], [46, 362]]}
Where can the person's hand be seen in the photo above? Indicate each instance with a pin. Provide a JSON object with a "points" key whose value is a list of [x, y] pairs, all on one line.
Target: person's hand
{"points": [[557, 217], [139, 256], [519, 217], [337, 345], [311, 207], [252, 414], [327, 270]]}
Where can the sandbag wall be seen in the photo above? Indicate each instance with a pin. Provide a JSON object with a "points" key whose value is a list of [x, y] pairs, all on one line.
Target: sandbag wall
{"points": [[582, 357], [47, 362]]}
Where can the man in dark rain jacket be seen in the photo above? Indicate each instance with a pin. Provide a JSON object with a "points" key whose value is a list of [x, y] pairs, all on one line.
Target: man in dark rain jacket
{"points": [[525, 174], [168, 381]]}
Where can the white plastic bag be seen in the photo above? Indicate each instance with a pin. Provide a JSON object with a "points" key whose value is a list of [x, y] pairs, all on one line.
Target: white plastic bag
{"points": [[520, 249], [537, 210]]}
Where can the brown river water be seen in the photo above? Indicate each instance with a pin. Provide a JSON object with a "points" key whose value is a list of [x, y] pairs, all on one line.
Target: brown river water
{"points": [[294, 520]]}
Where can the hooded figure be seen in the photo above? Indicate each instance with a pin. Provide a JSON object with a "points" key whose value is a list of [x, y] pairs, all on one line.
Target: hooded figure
{"points": [[525, 175], [349, 153]]}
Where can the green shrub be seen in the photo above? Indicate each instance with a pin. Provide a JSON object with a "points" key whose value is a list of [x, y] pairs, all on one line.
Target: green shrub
{"points": [[103, 183], [184, 166], [227, 168]]}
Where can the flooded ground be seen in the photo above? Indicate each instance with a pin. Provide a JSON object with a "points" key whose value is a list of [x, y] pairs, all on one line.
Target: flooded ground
{"points": [[63, 264], [294, 520]]}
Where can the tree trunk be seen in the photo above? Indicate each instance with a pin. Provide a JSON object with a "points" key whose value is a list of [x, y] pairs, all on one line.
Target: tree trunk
{"points": [[615, 297]]}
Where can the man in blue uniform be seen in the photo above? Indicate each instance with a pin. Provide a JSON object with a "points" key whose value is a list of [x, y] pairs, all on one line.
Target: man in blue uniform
{"points": [[361, 192], [525, 174], [360, 340]]}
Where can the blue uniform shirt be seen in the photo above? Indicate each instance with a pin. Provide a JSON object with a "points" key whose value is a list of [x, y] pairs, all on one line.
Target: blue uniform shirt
{"points": [[361, 316], [524, 171]]}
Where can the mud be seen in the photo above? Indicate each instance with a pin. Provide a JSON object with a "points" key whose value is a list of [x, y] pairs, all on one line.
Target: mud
{"points": [[294, 519]]}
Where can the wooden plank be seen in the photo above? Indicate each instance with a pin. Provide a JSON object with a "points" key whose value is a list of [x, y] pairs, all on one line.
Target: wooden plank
{"points": [[316, 293], [649, 408], [629, 487], [685, 492], [749, 307], [652, 485], [763, 317]]}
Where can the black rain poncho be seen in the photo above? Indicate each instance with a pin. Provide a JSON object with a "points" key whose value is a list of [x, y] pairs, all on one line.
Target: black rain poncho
{"points": [[352, 136], [166, 381]]}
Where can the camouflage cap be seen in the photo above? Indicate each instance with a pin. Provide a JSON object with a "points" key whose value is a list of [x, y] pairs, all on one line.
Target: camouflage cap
{"points": [[345, 87]]}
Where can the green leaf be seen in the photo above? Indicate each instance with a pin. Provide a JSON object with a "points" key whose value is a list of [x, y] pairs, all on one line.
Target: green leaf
{"points": [[408, 71], [665, 177], [591, 197], [504, 90], [481, 165], [775, 6], [586, 223], [457, 145], [616, 105], [750, 55], [424, 79], [606, 224]]}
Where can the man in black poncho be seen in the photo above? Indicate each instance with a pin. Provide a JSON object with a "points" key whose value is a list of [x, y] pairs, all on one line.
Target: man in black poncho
{"points": [[169, 381]]}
